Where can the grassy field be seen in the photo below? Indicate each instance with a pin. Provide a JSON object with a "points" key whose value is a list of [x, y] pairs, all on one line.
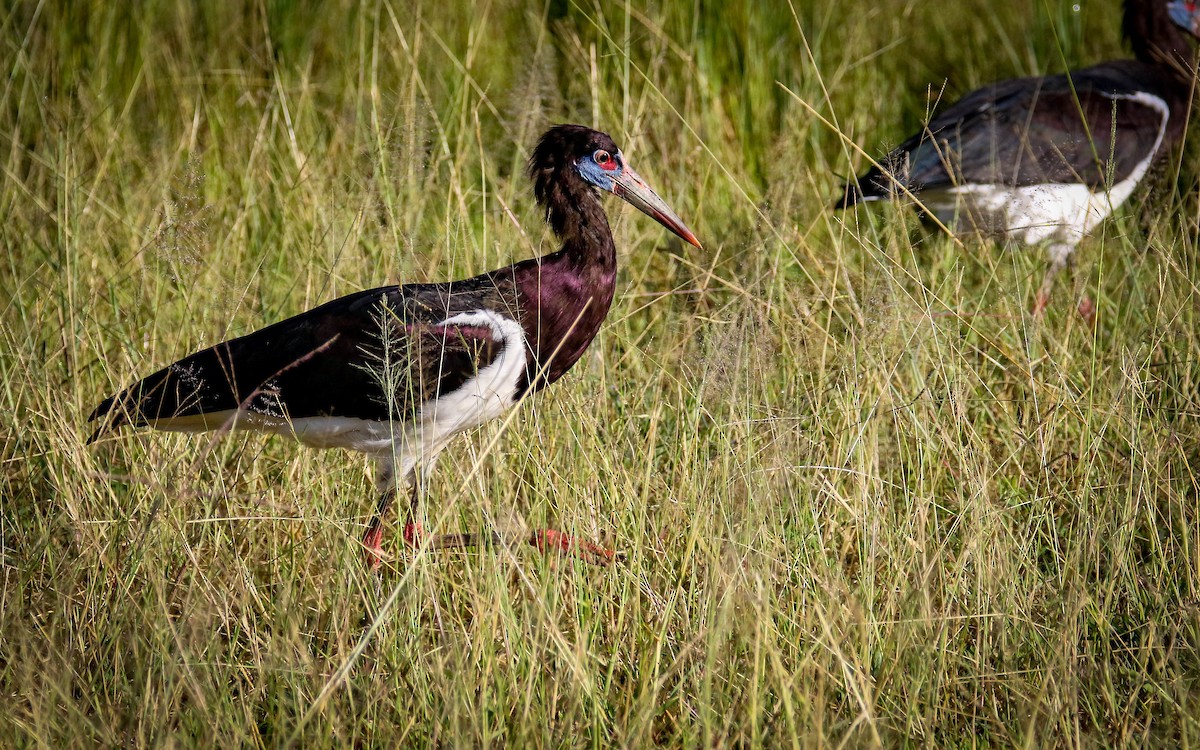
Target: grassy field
{"points": [[864, 498]]}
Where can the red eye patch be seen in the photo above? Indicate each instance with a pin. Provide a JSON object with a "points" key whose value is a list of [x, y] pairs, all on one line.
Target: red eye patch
{"points": [[604, 160]]}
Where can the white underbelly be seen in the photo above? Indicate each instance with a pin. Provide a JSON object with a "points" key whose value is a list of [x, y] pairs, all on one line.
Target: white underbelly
{"points": [[1031, 214], [1055, 213]]}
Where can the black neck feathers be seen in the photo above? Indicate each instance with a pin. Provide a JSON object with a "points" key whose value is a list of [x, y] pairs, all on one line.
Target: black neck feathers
{"points": [[572, 206]]}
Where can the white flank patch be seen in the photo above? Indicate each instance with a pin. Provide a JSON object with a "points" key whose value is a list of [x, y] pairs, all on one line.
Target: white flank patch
{"points": [[1058, 213], [399, 446]]}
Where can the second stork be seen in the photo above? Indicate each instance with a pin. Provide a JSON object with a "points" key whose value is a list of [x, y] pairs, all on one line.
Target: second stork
{"points": [[1044, 160]]}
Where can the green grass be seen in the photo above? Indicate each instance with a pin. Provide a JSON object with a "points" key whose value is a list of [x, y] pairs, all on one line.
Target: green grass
{"points": [[864, 498]]}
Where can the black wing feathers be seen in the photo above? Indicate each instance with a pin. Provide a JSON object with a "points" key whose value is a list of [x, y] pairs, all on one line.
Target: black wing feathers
{"points": [[1029, 131], [377, 354]]}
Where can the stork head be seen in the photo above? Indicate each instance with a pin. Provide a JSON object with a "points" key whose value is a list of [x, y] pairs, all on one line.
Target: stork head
{"points": [[595, 158]]}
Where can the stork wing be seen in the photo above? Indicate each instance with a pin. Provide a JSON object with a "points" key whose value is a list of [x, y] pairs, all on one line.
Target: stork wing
{"points": [[1029, 131], [377, 355]]}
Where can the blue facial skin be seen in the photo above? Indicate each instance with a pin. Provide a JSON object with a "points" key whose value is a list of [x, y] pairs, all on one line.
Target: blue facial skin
{"points": [[1182, 16], [597, 175]]}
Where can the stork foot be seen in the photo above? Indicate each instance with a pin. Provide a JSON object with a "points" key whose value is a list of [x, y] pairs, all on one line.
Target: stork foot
{"points": [[549, 540]]}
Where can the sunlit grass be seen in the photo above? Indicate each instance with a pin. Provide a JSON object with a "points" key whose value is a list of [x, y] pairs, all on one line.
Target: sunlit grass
{"points": [[862, 496]]}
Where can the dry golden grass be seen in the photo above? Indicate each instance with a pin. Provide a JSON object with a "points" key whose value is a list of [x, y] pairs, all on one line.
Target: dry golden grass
{"points": [[864, 498]]}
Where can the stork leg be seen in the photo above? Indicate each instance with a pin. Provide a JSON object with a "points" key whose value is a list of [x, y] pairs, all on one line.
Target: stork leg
{"points": [[413, 531], [549, 540], [1060, 256], [372, 540], [545, 540], [415, 536], [1058, 261]]}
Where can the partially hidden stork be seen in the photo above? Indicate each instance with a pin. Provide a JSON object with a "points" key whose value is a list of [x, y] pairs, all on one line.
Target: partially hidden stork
{"points": [[1043, 160]]}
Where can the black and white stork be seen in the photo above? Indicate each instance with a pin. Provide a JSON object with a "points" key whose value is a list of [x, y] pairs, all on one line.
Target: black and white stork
{"points": [[396, 372], [1044, 160]]}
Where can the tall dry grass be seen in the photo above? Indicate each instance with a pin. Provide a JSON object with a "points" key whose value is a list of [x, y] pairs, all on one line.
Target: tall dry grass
{"points": [[864, 498]]}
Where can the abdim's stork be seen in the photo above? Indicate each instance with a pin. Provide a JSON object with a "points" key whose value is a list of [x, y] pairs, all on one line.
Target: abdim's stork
{"points": [[1044, 160], [396, 372]]}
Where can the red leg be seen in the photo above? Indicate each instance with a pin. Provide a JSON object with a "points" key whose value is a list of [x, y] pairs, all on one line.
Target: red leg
{"points": [[1087, 310], [415, 537], [373, 537], [549, 540], [414, 533], [1040, 303], [1058, 260], [373, 543]]}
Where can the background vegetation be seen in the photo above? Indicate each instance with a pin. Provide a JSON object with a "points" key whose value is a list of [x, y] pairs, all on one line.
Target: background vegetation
{"points": [[864, 498]]}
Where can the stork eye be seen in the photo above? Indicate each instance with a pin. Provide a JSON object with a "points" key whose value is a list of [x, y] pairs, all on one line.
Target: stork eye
{"points": [[602, 157]]}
